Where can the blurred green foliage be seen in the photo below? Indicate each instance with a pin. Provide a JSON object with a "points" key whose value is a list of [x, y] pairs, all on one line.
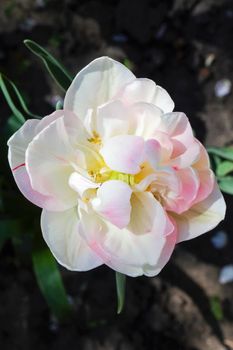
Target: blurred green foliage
{"points": [[222, 165], [216, 308]]}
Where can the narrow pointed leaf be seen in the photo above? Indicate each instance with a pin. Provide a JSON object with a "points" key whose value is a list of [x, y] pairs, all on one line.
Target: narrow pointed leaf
{"points": [[9, 100], [120, 288], [11, 94], [55, 69], [49, 279], [226, 184], [224, 152]]}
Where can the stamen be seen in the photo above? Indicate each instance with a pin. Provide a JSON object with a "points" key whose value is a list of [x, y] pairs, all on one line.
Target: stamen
{"points": [[95, 139]]}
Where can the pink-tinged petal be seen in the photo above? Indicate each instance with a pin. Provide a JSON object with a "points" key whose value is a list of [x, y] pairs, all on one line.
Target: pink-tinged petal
{"points": [[188, 191], [143, 119], [177, 126], [145, 90], [206, 184], [206, 176], [111, 119], [96, 84], [60, 231], [153, 152], [166, 145], [113, 202], [94, 230], [127, 250], [203, 162], [18, 144], [183, 156], [81, 184], [171, 238], [186, 150], [23, 182], [20, 140], [167, 186], [202, 217], [124, 153], [49, 159]]}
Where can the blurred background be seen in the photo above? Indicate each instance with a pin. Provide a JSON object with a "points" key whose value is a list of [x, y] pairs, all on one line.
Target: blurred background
{"points": [[187, 47]]}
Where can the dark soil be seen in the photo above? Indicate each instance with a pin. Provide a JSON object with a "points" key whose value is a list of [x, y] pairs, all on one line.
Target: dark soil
{"points": [[170, 42]]}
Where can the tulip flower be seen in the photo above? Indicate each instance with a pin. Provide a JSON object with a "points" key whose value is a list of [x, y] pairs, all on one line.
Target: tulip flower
{"points": [[120, 177]]}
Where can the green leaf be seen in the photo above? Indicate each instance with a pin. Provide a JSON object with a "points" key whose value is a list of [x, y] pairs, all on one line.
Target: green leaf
{"points": [[224, 152], [224, 168], [11, 92], [226, 184], [214, 161], [49, 279], [217, 159], [55, 69], [9, 100], [120, 288], [8, 228], [216, 308]]}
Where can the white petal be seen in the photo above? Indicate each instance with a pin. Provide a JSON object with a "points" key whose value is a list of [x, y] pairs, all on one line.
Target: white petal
{"points": [[145, 90], [171, 238], [96, 84], [111, 120], [80, 184], [144, 119], [113, 202], [202, 217], [124, 153], [60, 231], [177, 125], [163, 100], [19, 141], [49, 159], [44, 122]]}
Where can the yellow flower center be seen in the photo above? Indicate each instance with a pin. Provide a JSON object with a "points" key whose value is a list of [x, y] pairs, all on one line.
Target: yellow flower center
{"points": [[128, 178], [106, 174], [96, 139]]}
